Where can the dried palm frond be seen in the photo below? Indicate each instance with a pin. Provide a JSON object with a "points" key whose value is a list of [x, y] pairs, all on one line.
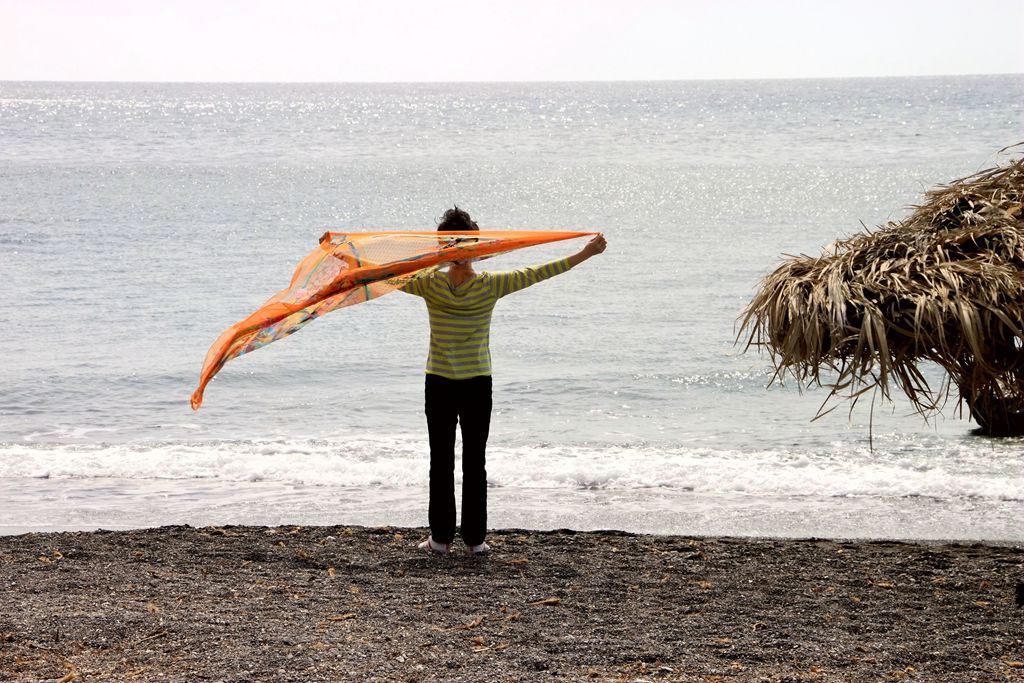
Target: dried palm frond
{"points": [[944, 285]]}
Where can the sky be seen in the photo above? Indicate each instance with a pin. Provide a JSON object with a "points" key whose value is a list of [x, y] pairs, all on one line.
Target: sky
{"points": [[510, 40]]}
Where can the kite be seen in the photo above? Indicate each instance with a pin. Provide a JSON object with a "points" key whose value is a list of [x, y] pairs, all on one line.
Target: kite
{"points": [[348, 268]]}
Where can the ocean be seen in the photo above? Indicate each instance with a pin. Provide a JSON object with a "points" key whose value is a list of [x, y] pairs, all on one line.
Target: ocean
{"points": [[139, 220]]}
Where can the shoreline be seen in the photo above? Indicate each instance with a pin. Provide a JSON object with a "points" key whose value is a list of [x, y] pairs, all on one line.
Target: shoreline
{"points": [[359, 603], [13, 531], [68, 504]]}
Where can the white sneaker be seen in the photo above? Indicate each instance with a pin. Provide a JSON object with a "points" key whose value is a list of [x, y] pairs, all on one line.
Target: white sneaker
{"points": [[481, 549], [433, 546]]}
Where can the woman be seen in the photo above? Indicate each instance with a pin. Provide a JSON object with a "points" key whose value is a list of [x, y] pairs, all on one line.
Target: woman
{"points": [[458, 382]]}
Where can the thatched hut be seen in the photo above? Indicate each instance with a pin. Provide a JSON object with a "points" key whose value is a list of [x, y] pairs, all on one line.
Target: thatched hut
{"points": [[945, 285]]}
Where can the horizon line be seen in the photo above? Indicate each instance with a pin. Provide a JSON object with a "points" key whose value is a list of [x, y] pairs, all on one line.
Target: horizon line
{"points": [[507, 82]]}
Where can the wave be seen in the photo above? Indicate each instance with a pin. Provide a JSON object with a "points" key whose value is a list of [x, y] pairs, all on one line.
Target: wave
{"points": [[936, 469]]}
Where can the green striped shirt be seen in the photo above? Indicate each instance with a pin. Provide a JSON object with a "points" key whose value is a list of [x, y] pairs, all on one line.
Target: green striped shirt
{"points": [[460, 317]]}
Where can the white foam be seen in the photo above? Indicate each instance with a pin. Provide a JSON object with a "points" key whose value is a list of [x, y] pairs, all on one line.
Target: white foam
{"points": [[941, 470]]}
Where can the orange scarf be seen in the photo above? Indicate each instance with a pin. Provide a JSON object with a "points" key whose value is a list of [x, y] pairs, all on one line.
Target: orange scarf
{"points": [[350, 268]]}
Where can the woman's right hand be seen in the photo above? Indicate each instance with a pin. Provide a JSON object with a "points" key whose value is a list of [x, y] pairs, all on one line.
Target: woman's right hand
{"points": [[595, 246]]}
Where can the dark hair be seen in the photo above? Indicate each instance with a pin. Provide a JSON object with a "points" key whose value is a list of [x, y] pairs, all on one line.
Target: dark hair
{"points": [[456, 219]]}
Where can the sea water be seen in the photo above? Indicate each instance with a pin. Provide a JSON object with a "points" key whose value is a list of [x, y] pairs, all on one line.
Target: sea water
{"points": [[138, 220]]}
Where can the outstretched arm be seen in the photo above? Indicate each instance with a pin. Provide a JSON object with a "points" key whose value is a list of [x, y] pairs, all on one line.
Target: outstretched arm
{"points": [[593, 248], [514, 280], [419, 282]]}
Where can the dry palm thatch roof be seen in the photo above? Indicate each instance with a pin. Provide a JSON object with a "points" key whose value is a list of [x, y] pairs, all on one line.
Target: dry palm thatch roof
{"points": [[945, 285]]}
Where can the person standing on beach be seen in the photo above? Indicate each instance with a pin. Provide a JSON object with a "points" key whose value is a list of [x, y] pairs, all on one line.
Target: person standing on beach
{"points": [[458, 379]]}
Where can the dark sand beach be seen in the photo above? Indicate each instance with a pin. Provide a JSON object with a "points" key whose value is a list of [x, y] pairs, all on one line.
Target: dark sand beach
{"points": [[352, 604]]}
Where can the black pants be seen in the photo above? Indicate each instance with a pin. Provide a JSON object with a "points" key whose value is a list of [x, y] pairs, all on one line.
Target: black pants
{"points": [[466, 402]]}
